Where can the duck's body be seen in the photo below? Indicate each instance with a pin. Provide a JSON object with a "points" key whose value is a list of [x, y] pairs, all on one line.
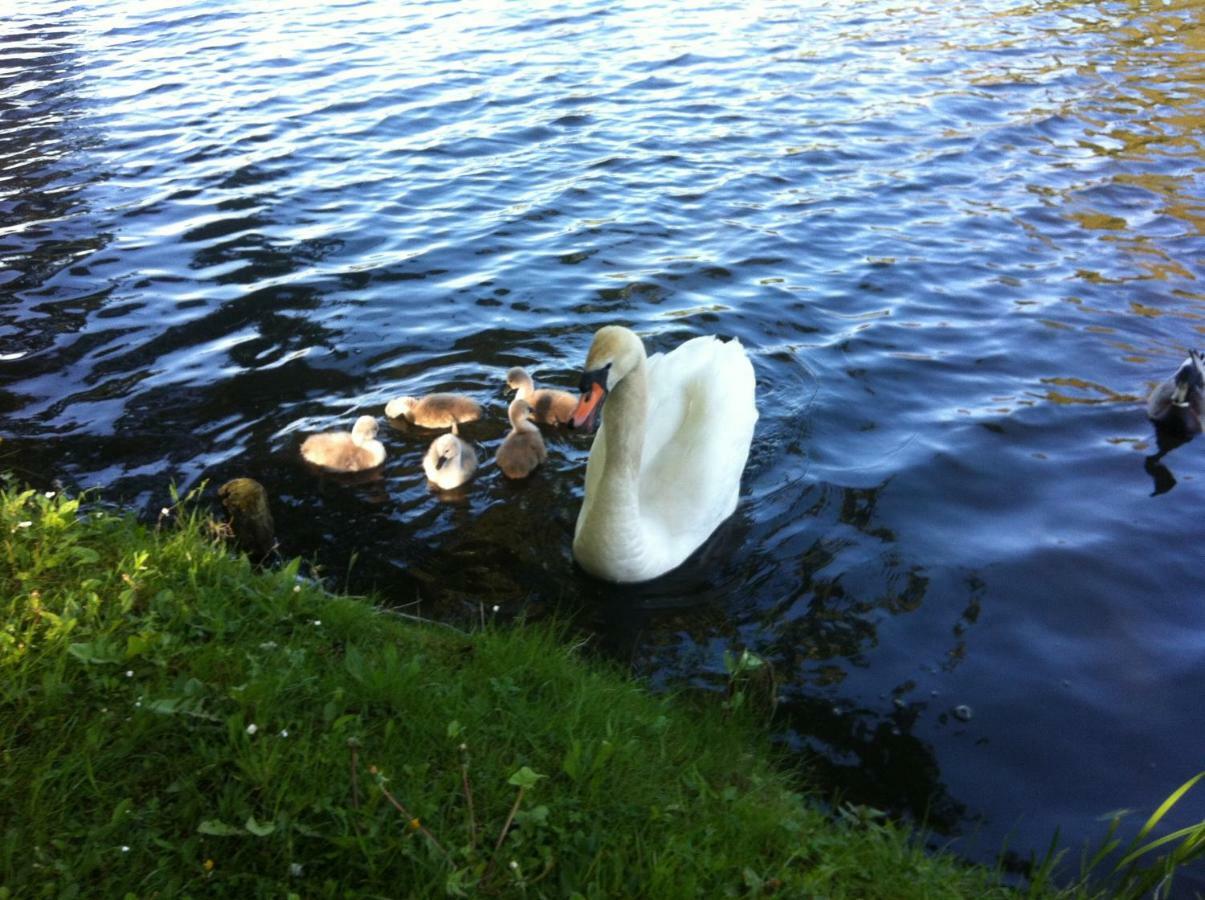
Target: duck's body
{"points": [[548, 406], [1179, 402], [449, 462], [523, 450], [343, 451], [657, 486], [434, 410]]}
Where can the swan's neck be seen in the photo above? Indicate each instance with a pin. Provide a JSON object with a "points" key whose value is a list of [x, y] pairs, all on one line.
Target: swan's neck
{"points": [[625, 414]]}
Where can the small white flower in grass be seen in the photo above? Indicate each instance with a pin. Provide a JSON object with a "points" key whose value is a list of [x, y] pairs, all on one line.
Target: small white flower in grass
{"points": [[129, 673], [284, 732], [252, 728], [496, 607], [125, 848], [24, 524], [317, 621], [165, 512], [514, 864], [296, 589], [50, 495]]}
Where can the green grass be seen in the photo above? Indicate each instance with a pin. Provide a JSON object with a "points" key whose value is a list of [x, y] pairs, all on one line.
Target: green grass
{"points": [[175, 723]]}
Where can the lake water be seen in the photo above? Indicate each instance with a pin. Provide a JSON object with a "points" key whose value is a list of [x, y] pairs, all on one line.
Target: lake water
{"points": [[960, 242]]}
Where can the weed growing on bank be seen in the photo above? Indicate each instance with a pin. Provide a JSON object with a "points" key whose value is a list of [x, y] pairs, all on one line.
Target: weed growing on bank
{"points": [[174, 722]]}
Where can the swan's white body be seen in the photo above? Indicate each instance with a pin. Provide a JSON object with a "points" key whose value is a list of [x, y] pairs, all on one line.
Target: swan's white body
{"points": [[449, 462], [665, 468]]}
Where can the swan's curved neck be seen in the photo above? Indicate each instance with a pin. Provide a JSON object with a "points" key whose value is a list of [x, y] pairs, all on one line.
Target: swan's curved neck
{"points": [[627, 408]]}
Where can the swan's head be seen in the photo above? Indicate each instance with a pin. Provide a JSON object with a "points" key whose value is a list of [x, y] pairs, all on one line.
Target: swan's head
{"points": [[401, 408], [520, 411], [1189, 377], [446, 448], [615, 352], [517, 379], [364, 430]]}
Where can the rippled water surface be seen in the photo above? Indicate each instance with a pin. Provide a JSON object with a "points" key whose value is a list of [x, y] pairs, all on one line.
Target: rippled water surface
{"points": [[960, 241]]}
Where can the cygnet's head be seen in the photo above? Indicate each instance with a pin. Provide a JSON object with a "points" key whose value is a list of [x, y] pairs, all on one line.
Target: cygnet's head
{"points": [[446, 448], [400, 408], [517, 378], [364, 430]]}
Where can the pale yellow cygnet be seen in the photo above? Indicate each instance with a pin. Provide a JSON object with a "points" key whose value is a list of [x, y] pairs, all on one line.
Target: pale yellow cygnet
{"points": [[523, 450], [434, 410], [548, 406], [449, 462], [343, 451]]}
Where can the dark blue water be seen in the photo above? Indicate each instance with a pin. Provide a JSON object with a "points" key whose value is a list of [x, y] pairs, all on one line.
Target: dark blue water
{"points": [[961, 242]]}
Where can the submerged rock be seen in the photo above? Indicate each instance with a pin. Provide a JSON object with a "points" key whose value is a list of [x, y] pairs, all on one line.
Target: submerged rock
{"points": [[246, 503]]}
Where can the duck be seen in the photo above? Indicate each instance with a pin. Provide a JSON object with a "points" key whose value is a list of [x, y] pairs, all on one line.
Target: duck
{"points": [[523, 450], [449, 462], [434, 410], [342, 451], [657, 486], [1179, 402], [550, 407]]}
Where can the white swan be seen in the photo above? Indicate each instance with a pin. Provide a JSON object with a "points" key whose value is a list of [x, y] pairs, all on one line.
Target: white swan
{"points": [[449, 462], [1179, 402], [658, 485], [342, 451]]}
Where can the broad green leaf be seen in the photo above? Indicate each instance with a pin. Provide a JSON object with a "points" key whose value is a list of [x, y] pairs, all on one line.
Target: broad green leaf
{"points": [[525, 778], [219, 828]]}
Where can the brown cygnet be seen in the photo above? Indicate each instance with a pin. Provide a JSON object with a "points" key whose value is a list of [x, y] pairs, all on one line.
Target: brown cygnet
{"points": [[523, 450], [434, 410], [548, 406], [343, 451]]}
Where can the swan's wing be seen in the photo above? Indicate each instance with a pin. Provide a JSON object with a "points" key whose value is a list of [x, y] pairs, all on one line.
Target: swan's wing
{"points": [[702, 411]]}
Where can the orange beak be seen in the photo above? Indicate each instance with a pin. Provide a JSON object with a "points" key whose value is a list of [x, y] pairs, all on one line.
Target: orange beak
{"points": [[585, 416]]}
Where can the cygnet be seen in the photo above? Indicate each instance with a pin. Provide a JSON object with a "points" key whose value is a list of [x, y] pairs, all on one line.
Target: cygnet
{"points": [[434, 410], [523, 450], [449, 462], [548, 406], [343, 451]]}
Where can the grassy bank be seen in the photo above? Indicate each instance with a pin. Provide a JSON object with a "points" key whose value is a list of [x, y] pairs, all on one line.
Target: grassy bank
{"points": [[174, 723]]}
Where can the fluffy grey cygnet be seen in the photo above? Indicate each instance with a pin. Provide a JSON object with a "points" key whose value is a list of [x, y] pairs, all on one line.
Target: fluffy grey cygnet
{"points": [[434, 410], [548, 406], [449, 462], [523, 450], [344, 451]]}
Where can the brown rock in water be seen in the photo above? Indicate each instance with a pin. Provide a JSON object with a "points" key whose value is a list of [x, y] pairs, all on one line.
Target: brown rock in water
{"points": [[246, 503]]}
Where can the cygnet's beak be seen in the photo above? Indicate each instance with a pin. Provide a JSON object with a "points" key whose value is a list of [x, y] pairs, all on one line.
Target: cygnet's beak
{"points": [[589, 405]]}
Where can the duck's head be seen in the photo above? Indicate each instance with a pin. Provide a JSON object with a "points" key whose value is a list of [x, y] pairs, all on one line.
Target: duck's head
{"points": [[1189, 377], [364, 430], [615, 352], [517, 378], [401, 408], [446, 448]]}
